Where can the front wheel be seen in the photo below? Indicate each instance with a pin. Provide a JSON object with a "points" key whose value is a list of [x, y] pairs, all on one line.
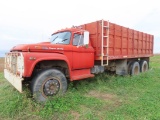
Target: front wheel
{"points": [[48, 83]]}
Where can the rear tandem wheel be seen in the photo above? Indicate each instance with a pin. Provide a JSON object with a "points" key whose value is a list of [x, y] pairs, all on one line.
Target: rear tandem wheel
{"points": [[135, 68]]}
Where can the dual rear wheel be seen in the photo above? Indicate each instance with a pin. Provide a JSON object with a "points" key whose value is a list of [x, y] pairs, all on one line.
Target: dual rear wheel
{"points": [[136, 67]]}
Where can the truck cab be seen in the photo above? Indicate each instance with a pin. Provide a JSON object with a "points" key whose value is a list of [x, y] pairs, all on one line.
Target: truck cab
{"points": [[68, 56]]}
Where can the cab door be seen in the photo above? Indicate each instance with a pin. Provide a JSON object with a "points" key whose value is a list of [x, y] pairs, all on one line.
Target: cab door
{"points": [[83, 57]]}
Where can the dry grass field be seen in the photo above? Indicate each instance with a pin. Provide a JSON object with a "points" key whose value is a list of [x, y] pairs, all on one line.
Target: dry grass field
{"points": [[1, 64]]}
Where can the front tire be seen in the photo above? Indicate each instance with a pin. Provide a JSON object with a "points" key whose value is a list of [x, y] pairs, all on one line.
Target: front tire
{"points": [[48, 83]]}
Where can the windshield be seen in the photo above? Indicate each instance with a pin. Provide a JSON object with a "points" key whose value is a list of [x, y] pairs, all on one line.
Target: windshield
{"points": [[60, 38]]}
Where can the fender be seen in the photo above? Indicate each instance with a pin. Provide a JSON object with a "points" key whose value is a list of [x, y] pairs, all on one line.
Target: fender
{"points": [[32, 58]]}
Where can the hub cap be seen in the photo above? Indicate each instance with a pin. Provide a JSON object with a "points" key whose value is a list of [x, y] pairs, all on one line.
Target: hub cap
{"points": [[51, 87]]}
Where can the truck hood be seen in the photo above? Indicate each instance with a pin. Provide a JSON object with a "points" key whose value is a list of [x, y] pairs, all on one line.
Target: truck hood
{"points": [[38, 47]]}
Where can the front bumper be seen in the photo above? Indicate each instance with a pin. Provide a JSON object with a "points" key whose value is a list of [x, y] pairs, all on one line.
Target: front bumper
{"points": [[15, 80]]}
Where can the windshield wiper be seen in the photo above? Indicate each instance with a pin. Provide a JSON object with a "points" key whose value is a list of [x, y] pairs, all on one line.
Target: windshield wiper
{"points": [[54, 39], [62, 41]]}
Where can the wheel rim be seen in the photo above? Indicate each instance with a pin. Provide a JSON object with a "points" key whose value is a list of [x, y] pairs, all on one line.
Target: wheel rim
{"points": [[51, 87], [145, 68], [136, 70]]}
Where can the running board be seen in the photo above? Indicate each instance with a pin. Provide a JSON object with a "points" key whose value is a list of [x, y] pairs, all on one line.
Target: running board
{"points": [[81, 74]]}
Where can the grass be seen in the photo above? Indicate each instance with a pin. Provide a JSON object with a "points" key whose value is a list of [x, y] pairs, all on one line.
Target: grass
{"points": [[106, 96]]}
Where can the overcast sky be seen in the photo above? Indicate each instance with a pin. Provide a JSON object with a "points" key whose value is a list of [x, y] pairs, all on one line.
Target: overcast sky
{"points": [[32, 21]]}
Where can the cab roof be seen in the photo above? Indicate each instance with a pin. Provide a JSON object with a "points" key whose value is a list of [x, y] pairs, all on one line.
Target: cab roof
{"points": [[72, 29]]}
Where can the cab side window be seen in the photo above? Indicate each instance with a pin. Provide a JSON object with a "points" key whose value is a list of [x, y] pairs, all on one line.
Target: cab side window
{"points": [[78, 39]]}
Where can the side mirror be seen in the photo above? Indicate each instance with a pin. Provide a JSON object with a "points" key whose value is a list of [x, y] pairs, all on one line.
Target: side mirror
{"points": [[86, 38]]}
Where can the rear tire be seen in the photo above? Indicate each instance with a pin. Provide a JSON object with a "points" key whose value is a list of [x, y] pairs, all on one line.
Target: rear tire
{"points": [[47, 84], [135, 68], [143, 66], [129, 66]]}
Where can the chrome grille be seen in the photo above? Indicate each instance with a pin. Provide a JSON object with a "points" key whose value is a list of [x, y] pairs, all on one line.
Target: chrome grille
{"points": [[11, 62]]}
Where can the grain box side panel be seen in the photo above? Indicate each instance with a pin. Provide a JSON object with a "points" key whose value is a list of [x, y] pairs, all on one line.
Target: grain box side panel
{"points": [[123, 42]]}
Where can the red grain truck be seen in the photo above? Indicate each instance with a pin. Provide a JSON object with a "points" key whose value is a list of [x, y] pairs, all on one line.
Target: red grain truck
{"points": [[77, 53]]}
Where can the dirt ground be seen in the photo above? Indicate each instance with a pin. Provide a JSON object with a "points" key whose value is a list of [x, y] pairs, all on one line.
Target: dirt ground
{"points": [[1, 64]]}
